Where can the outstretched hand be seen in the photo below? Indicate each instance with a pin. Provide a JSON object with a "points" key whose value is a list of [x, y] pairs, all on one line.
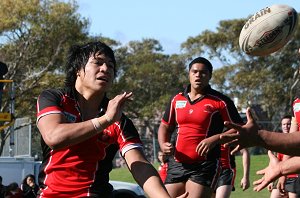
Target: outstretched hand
{"points": [[241, 136], [270, 173], [116, 105]]}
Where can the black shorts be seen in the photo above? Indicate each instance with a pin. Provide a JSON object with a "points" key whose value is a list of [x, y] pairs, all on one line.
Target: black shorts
{"points": [[226, 177], [290, 184], [203, 173]]}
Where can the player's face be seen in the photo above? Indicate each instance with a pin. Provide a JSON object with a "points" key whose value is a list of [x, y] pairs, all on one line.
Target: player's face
{"points": [[199, 76], [98, 73], [286, 125]]}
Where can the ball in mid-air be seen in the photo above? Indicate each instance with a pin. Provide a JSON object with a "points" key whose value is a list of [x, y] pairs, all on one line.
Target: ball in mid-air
{"points": [[268, 30]]}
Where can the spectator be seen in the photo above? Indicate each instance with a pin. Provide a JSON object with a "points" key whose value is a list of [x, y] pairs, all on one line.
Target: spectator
{"points": [[29, 187], [2, 188], [13, 191]]}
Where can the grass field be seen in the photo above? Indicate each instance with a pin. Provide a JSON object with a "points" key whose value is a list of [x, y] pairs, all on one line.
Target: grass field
{"points": [[257, 162]]}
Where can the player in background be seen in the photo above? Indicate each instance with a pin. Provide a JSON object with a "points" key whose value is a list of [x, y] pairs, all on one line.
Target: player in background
{"points": [[285, 184], [163, 165], [195, 114], [226, 180]]}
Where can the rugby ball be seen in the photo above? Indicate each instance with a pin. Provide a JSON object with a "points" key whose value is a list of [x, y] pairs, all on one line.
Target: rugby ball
{"points": [[268, 30]]}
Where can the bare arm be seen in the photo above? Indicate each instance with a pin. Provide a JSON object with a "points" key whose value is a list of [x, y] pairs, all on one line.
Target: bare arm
{"points": [[58, 133], [164, 137], [145, 174], [245, 182], [287, 143]]}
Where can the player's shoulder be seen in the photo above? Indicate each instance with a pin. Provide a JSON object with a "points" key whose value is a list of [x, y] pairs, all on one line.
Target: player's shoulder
{"points": [[57, 93], [219, 95]]}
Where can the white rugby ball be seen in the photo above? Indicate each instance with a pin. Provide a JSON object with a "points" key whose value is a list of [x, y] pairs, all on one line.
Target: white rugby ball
{"points": [[268, 30]]}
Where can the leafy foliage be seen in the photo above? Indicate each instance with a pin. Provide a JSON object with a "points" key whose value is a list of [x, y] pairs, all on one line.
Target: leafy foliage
{"points": [[151, 75], [35, 35]]}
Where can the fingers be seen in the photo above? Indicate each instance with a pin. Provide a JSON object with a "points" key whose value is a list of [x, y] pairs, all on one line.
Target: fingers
{"points": [[249, 115], [201, 149], [233, 126], [115, 105], [167, 148], [261, 172], [271, 155], [260, 184], [235, 150]]}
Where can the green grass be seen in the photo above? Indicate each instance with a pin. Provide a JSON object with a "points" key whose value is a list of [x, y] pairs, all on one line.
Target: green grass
{"points": [[257, 162]]}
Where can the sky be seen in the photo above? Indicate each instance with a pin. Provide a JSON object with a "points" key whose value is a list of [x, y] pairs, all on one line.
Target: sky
{"points": [[171, 22]]}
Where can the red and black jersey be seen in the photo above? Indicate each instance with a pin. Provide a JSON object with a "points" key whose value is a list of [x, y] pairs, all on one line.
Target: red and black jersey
{"points": [[227, 160], [197, 120], [162, 171], [71, 171]]}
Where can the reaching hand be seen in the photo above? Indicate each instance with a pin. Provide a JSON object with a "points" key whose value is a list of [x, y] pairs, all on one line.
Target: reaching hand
{"points": [[271, 173], [116, 105], [241, 136]]}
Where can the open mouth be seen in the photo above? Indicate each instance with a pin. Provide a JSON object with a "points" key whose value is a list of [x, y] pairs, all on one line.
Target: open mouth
{"points": [[102, 79]]}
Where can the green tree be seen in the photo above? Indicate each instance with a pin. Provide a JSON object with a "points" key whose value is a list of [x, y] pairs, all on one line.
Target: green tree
{"points": [[152, 77], [35, 35]]}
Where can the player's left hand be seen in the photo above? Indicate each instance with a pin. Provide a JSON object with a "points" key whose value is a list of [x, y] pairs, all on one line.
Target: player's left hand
{"points": [[245, 183]]}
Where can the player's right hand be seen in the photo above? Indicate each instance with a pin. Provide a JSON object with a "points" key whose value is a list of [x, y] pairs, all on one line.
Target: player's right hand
{"points": [[167, 148]]}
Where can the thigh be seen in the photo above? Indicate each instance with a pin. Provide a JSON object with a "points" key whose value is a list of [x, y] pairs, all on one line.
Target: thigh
{"points": [[276, 194], [175, 189], [196, 190], [223, 191]]}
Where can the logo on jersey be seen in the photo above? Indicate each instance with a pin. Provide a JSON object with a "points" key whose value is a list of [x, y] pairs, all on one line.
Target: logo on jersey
{"points": [[208, 108], [296, 107], [70, 117], [180, 104], [191, 111]]}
